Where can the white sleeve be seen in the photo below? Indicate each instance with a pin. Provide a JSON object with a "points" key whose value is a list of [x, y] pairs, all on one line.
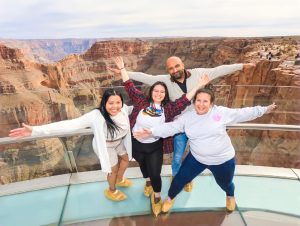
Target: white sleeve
{"points": [[65, 126], [170, 128], [237, 115], [146, 78], [127, 109], [217, 72], [130, 108]]}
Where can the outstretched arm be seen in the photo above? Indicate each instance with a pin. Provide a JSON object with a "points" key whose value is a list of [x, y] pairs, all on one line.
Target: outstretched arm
{"points": [[146, 78], [163, 130], [72, 125], [222, 70], [247, 114], [137, 76]]}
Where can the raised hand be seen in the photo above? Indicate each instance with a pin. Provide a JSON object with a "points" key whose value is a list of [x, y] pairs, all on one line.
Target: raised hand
{"points": [[203, 80], [142, 134], [24, 131], [271, 108], [119, 62]]}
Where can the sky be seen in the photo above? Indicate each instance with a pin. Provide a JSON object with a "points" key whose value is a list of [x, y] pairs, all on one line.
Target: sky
{"points": [[56, 19]]}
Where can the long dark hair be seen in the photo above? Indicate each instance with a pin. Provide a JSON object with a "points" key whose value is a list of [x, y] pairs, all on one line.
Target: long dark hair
{"points": [[167, 97], [208, 89], [111, 125]]}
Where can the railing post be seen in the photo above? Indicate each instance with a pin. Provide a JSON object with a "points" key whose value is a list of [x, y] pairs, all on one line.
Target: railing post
{"points": [[70, 160]]}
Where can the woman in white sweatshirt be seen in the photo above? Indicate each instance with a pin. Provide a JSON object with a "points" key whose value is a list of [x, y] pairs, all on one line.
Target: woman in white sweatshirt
{"points": [[111, 142], [210, 145]]}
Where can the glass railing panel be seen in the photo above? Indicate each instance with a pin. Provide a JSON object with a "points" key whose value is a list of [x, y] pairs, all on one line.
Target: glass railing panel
{"points": [[266, 147], [47, 157], [36, 158], [222, 96], [33, 159], [287, 98]]}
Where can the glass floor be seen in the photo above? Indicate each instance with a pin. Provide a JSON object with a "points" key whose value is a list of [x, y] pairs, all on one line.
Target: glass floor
{"points": [[260, 201]]}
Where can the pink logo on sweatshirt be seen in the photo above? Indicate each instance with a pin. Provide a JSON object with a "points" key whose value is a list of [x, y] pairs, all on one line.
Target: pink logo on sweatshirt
{"points": [[216, 118]]}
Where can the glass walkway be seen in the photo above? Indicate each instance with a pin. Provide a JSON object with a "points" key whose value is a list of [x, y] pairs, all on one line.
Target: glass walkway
{"points": [[264, 195]]}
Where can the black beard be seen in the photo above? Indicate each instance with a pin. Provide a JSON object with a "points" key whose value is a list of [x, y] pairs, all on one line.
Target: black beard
{"points": [[178, 75]]}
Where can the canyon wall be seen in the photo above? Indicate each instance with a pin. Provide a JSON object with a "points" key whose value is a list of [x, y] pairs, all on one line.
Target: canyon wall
{"points": [[36, 92]]}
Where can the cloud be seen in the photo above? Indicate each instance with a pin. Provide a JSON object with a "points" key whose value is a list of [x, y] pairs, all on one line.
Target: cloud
{"points": [[132, 18]]}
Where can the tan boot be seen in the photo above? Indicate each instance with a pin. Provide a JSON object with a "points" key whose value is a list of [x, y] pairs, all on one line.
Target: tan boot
{"points": [[156, 207], [167, 205], [230, 203], [148, 190], [124, 183], [188, 187], [115, 195]]}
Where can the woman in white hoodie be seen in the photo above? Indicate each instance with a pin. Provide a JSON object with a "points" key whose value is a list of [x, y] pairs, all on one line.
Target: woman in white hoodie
{"points": [[210, 145], [111, 142]]}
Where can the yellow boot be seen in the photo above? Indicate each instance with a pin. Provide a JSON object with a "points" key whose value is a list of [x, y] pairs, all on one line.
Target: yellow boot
{"points": [[156, 207], [114, 195], [124, 183], [167, 205], [188, 187], [148, 190], [230, 203]]}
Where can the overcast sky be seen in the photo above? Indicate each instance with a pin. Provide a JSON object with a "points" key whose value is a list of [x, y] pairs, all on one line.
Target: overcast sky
{"points": [[35, 19]]}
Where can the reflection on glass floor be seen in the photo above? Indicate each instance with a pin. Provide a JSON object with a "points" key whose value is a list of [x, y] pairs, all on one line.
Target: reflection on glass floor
{"points": [[260, 200], [203, 218], [212, 218]]}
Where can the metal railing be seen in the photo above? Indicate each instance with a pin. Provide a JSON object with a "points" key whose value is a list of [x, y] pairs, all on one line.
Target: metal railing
{"points": [[82, 132]]}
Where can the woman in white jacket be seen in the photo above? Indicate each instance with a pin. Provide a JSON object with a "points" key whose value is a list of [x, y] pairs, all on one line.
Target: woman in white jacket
{"points": [[210, 145], [111, 142]]}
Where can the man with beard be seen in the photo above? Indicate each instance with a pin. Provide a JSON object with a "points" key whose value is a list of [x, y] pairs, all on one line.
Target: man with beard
{"points": [[180, 81]]}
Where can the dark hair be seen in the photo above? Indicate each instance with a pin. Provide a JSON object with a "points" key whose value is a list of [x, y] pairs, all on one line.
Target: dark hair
{"points": [[167, 97], [209, 89], [111, 125]]}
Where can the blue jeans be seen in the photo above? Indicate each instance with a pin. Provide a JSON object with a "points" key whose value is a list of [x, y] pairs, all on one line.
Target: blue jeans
{"points": [[180, 141], [190, 168]]}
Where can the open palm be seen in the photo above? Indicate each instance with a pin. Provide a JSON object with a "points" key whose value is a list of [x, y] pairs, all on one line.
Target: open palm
{"points": [[24, 131]]}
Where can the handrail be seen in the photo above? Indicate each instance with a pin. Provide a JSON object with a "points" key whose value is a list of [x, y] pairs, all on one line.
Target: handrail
{"points": [[256, 126], [82, 132]]}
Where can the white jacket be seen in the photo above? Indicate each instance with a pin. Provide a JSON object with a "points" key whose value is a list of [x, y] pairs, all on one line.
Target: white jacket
{"points": [[93, 120]]}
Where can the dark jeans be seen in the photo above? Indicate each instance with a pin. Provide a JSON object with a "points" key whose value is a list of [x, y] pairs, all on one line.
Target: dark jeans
{"points": [[190, 168], [150, 158]]}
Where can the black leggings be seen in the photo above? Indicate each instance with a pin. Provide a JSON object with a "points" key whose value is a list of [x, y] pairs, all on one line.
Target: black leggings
{"points": [[150, 158]]}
